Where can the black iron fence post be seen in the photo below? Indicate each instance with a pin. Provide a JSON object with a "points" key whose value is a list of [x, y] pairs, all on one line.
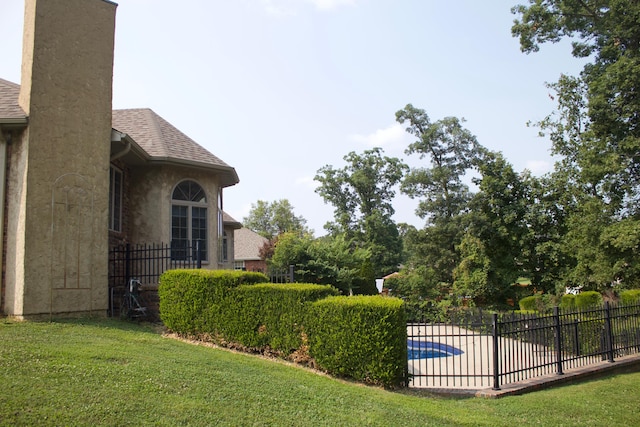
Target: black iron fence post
{"points": [[127, 263], [608, 331], [496, 353], [558, 339], [198, 254], [291, 279]]}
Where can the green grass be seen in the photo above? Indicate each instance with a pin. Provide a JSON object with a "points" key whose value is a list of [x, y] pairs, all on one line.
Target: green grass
{"points": [[115, 373]]}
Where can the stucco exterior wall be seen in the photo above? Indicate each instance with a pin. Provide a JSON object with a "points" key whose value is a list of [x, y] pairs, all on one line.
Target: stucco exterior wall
{"points": [[150, 205], [15, 196], [58, 184]]}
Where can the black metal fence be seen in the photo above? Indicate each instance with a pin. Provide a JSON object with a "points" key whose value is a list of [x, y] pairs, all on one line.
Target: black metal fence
{"points": [[281, 275], [146, 262], [485, 350]]}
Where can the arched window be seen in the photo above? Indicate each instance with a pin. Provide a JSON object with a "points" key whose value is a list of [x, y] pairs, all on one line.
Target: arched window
{"points": [[188, 219]]}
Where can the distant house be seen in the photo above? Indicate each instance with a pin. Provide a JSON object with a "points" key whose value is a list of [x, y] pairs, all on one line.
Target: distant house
{"points": [[77, 178], [247, 250]]}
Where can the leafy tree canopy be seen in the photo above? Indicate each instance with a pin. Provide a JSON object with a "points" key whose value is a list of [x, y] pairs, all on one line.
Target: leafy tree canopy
{"points": [[361, 194], [597, 126], [596, 130], [451, 150], [272, 219]]}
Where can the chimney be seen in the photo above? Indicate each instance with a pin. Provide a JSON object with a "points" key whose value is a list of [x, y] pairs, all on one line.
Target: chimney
{"points": [[57, 238]]}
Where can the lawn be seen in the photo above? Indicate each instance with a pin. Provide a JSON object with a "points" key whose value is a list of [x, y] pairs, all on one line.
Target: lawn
{"points": [[115, 373]]}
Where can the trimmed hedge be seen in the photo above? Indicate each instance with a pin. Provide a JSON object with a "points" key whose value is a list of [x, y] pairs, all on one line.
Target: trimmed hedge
{"points": [[568, 301], [530, 303], [188, 297], [268, 315], [361, 337], [588, 299], [630, 296], [582, 300]]}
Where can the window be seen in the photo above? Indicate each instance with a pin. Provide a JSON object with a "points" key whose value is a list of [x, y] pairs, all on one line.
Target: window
{"points": [[188, 220], [115, 199], [225, 247]]}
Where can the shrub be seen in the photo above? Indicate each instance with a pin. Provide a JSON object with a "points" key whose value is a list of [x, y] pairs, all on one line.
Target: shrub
{"points": [[361, 337], [588, 299], [631, 296], [568, 301], [187, 297], [530, 303], [268, 315]]}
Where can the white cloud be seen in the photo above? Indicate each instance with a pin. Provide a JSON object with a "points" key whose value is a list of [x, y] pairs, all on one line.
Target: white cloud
{"points": [[331, 4], [306, 181], [279, 8], [284, 8], [391, 136], [539, 167]]}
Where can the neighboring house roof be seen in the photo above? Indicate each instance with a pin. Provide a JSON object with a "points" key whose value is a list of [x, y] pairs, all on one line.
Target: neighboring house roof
{"points": [[229, 221], [247, 244], [10, 110], [155, 139], [163, 142]]}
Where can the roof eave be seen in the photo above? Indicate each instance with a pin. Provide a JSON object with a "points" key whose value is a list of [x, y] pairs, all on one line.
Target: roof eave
{"points": [[233, 224], [14, 122], [229, 175]]}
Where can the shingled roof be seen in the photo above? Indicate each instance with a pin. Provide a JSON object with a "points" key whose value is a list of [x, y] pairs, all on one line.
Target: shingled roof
{"points": [[247, 244], [10, 110], [160, 141], [163, 142]]}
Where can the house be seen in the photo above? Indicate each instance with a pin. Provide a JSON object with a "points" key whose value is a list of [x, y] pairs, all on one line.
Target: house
{"points": [[78, 178], [247, 245]]}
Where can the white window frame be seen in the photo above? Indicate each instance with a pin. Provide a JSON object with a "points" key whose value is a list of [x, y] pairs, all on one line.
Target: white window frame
{"points": [[190, 205]]}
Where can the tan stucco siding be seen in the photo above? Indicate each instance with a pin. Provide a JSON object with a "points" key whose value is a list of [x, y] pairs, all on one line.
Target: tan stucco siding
{"points": [[15, 196], [150, 209], [62, 169]]}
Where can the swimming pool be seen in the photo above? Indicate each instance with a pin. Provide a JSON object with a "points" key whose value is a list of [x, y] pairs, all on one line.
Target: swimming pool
{"points": [[430, 350]]}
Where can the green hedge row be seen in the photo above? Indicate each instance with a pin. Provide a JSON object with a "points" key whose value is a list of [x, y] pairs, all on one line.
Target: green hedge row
{"points": [[630, 296], [530, 303], [582, 300], [268, 315], [187, 297], [359, 337]]}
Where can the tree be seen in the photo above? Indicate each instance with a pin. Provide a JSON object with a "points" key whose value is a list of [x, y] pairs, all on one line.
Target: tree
{"points": [[471, 276], [332, 260], [497, 229], [598, 126], [451, 150], [596, 130], [335, 260], [549, 206], [361, 194], [272, 219]]}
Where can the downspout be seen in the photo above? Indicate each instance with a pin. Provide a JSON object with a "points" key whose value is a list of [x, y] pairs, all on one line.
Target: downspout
{"points": [[119, 137]]}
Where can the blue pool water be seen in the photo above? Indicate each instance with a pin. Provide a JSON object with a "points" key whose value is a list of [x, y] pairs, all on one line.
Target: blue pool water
{"points": [[430, 350]]}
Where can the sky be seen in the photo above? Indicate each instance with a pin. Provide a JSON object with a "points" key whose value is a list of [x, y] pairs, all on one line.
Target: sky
{"points": [[280, 88]]}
